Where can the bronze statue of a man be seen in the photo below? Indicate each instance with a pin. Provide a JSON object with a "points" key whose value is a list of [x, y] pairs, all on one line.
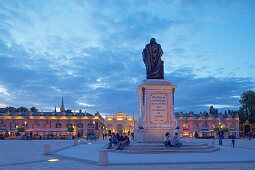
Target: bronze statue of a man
{"points": [[152, 59]]}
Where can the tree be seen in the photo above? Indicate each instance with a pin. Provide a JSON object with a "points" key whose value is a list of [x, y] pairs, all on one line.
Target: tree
{"points": [[225, 130], [21, 109], [213, 111], [70, 129], [21, 129], [6, 134], [216, 129], [33, 109], [79, 134], [243, 116], [248, 105]]}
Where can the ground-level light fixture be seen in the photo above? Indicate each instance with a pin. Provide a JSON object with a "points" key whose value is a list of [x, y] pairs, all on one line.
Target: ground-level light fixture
{"points": [[53, 160]]}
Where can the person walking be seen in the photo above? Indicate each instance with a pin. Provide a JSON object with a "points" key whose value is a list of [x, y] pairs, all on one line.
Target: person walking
{"points": [[221, 134], [233, 140], [31, 135], [249, 135]]}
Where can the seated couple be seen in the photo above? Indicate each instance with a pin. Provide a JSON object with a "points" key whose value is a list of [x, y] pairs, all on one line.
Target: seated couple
{"points": [[175, 142], [121, 141]]}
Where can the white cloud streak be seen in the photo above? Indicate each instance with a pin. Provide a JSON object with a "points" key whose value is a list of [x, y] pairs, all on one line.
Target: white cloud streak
{"points": [[220, 106], [85, 104]]}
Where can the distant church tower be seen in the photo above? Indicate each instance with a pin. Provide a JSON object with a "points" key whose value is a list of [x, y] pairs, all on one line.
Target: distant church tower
{"points": [[62, 108]]}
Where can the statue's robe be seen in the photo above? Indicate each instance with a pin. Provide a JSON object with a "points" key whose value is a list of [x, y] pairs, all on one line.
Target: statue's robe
{"points": [[152, 60]]}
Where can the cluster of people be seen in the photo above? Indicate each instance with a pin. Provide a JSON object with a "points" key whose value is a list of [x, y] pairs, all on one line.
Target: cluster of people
{"points": [[120, 140], [172, 141]]}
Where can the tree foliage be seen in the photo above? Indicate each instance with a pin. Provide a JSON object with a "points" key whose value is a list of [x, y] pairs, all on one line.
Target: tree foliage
{"points": [[225, 130], [247, 111], [33, 109], [79, 134], [70, 129], [21, 109], [6, 134], [21, 129], [213, 111], [216, 129]]}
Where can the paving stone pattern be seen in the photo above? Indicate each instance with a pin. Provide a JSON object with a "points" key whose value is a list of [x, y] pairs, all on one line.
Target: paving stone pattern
{"points": [[28, 155]]}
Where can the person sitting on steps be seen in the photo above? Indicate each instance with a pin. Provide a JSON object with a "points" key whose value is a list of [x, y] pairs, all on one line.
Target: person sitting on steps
{"points": [[167, 140], [124, 142], [176, 141], [112, 140]]}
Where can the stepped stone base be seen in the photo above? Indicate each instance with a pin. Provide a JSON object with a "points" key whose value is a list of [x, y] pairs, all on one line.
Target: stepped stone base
{"points": [[160, 148]]}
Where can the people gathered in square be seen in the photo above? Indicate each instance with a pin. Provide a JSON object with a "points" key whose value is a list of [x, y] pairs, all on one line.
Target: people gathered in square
{"points": [[120, 141], [172, 142], [123, 140]]}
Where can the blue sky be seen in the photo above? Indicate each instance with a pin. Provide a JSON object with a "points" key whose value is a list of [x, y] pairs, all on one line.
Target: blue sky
{"points": [[89, 52]]}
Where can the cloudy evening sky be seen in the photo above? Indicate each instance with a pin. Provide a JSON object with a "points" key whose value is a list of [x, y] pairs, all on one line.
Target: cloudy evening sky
{"points": [[89, 52]]}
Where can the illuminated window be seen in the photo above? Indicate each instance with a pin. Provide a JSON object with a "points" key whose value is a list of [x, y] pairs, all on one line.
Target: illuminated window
{"points": [[195, 125], [79, 125], [185, 125], [205, 126], [58, 125], [36, 126], [47, 126], [69, 125], [232, 126], [213, 125], [2, 126], [223, 126]]}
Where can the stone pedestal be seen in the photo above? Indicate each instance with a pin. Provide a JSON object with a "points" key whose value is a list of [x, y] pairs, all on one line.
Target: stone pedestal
{"points": [[156, 111]]}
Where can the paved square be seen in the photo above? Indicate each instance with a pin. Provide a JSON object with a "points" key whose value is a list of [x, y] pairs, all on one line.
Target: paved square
{"points": [[28, 155]]}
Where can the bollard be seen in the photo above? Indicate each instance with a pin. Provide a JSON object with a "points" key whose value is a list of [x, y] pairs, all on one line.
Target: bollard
{"points": [[103, 158], [46, 149], [75, 142], [212, 142]]}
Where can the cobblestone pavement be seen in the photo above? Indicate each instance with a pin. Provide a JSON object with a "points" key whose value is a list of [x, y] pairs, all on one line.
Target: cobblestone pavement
{"points": [[28, 155], [241, 143]]}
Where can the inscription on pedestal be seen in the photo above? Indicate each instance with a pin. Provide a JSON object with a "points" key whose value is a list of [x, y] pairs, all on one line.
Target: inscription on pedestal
{"points": [[159, 108]]}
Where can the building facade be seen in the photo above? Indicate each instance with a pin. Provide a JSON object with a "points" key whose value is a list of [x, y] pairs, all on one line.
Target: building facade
{"points": [[53, 123], [246, 128], [204, 124], [85, 124], [119, 123]]}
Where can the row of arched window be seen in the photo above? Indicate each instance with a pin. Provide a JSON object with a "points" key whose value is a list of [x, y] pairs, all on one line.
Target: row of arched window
{"points": [[205, 126], [37, 125]]}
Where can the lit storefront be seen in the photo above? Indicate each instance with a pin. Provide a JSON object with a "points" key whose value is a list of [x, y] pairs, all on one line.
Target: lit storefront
{"points": [[203, 125], [55, 124]]}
